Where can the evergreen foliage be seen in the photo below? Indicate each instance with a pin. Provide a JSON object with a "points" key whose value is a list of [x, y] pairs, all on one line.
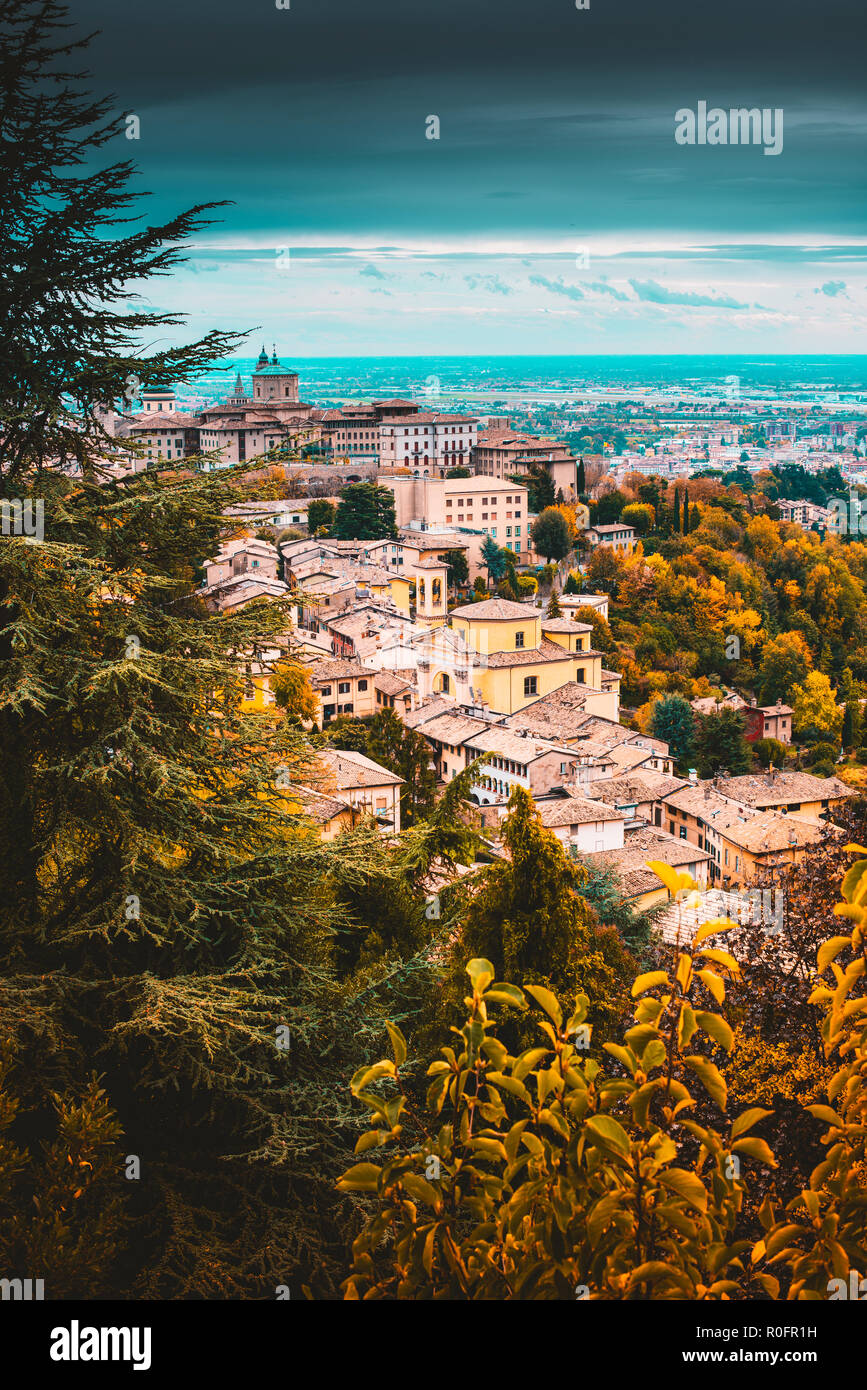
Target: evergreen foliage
{"points": [[365, 513]]}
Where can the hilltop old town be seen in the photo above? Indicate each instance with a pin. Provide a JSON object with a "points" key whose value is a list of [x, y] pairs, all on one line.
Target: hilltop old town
{"points": [[433, 678]]}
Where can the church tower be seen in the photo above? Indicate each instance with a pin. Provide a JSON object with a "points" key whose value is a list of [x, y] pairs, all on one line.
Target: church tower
{"points": [[273, 383]]}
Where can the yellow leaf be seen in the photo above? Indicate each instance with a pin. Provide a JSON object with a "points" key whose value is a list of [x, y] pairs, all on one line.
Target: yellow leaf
{"points": [[649, 980], [686, 1185], [710, 1078], [755, 1148], [673, 880], [722, 958], [610, 1132], [716, 1028], [747, 1119], [719, 924], [824, 1112], [829, 950], [546, 1000], [713, 983]]}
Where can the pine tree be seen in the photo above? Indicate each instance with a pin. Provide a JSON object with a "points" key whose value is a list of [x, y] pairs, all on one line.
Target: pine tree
{"points": [[366, 513], [528, 919], [672, 721], [493, 559], [721, 745], [66, 349], [852, 724], [164, 918], [554, 610]]}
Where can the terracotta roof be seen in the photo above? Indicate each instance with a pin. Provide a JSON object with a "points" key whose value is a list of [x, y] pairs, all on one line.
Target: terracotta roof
{"points": [[566, 625], [338, 669], [171, 419], [782, 787], [452, 727], [630, 862], [766, 832], [390, 684], [507, 743], [628, 755], [496, 610], [532, 656], [559, 714], [634, 787], [698, 799], [320, 807], [355, 770], [418, 717], [576, 810]]}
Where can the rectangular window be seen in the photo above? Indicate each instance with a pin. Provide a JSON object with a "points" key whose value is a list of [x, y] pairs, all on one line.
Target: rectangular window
{"points": [[362, 685], [343, 688], [531, 685], [519, 639], [326, 690], [683, 832]]}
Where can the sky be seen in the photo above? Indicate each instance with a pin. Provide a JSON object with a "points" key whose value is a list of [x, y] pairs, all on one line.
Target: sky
{"points": [[556, 212]]}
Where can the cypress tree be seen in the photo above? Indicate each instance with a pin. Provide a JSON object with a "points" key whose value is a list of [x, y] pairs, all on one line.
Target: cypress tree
{"points": [[686, 511], [581, 480], [676, 511]]}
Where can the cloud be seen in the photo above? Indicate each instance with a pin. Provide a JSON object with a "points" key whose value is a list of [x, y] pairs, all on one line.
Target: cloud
{"points": [[492, 283], [557, 286], [651, 293], [603, 287], [832, 288], [375, 273]]}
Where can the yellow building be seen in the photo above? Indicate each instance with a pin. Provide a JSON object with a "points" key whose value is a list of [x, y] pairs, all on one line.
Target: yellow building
{"points": [[513, 660], [330, 814], [744, 838], [342, 686]]}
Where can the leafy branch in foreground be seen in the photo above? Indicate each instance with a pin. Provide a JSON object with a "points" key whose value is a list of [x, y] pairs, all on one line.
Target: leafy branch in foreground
{"points": [[543, 1175]]}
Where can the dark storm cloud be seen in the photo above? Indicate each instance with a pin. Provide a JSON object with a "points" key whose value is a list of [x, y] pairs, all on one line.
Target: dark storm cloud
{"points": [[553, 121]]}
